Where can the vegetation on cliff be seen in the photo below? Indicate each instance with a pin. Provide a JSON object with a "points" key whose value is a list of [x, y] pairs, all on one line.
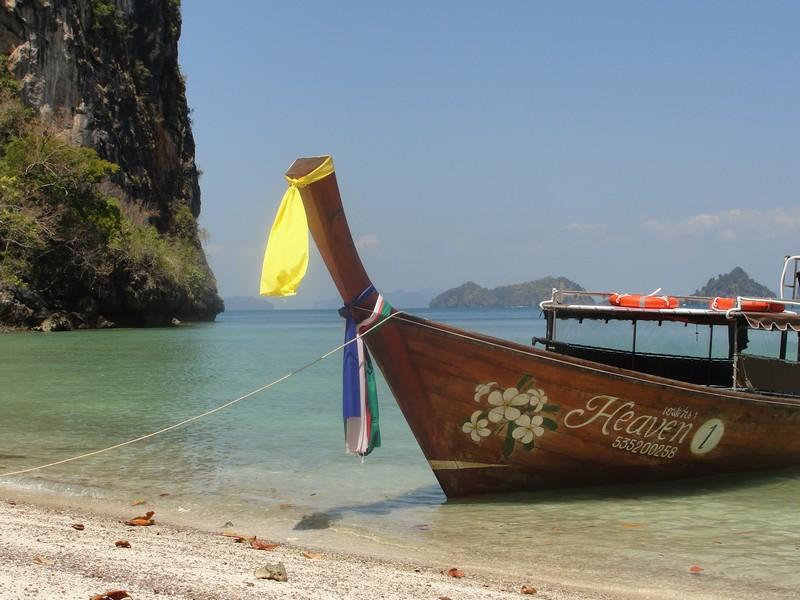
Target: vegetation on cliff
{"points": [[471, 295], [71, 253], [735, 283]]}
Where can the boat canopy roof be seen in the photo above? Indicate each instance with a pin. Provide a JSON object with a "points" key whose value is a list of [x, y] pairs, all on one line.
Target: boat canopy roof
{"points": [[690, 309]]}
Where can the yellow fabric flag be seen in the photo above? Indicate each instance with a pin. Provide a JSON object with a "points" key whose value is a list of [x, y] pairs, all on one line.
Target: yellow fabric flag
{"points": [[286, 257]]}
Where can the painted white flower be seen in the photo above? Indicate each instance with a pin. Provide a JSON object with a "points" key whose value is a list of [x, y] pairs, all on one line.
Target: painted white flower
{"points": [[538, 399], [527, 427], [476, 428], [482, 389], [505, 404]]}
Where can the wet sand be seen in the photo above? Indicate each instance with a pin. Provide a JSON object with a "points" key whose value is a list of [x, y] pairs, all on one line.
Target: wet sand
{"points": [[43, 556]]}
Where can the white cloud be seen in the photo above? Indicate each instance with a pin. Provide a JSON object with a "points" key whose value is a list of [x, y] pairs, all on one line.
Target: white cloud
{"points": [[369, 240], [728, 225], [585, 228]]}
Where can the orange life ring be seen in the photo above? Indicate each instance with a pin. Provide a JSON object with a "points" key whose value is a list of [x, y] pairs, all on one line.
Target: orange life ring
{"points": [[723, 304], [639, 301]]}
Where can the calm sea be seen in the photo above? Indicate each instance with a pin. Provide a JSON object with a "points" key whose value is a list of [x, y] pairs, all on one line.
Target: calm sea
{"points": [[275, 465]]}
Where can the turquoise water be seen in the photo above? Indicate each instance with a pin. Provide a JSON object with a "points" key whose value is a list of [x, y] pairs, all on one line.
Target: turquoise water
{"points": [[275, 463]]}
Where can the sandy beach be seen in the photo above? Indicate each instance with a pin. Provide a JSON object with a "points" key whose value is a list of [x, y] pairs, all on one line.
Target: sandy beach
{"points": [[44, 556]]}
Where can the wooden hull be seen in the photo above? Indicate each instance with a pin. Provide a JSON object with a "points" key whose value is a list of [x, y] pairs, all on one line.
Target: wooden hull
{"points": [[610, 425], [493, 416]]}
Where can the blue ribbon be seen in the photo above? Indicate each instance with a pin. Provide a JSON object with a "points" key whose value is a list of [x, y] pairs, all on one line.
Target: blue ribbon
{"points": [[351, 387]]}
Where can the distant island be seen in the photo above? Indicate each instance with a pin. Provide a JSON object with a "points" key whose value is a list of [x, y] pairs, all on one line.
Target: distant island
{"points": [[247, 303], [530, 293], [735, 283]]}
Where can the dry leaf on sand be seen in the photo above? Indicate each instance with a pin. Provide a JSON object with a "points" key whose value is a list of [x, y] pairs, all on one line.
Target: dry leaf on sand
{"points": [[312, 555], [261, 545], [78, 526], [111, 595], [232, 534], [147, 519], [457, 573], [528, 590], [138, 502], [40, 560], [695, 570], [122, 544]]}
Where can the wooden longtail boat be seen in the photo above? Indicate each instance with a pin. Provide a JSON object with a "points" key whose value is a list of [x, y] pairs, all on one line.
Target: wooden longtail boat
{"points": [[496, 416]]}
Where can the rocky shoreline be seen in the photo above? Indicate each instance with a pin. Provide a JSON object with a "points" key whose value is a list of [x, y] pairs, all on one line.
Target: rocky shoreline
{"points": [[22, 309]]}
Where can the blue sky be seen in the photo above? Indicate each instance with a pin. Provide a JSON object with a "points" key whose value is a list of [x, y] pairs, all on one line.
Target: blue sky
{"points": [[625, 145]]}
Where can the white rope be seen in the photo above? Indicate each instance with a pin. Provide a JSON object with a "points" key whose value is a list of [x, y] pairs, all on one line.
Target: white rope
{"points": [[208, 412]]}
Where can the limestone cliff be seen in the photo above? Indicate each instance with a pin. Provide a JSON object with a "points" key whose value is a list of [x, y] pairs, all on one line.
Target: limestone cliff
{"points": [[106, 73]]}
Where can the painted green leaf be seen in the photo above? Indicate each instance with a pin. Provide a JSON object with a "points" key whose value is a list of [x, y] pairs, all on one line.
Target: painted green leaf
{"points": [[549, 424], [508, 446], [524, 380], [529, 446], [551, 408]]}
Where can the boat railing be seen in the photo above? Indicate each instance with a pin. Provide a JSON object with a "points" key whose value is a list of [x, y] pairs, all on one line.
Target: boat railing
{"points": [[740, 300], [558, 297], [794, 283]]}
